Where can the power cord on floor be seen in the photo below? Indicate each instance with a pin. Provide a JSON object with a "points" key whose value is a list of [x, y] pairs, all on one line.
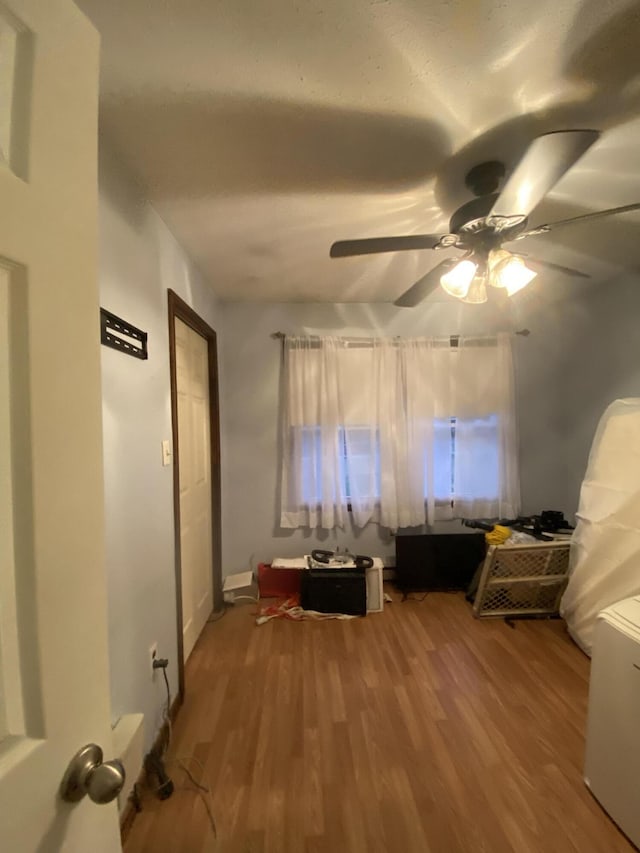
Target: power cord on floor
{"points": [[220, 615], [162, 663], [155, 764], [202, 789], [408, 597], [155, 760], [134, 798]]}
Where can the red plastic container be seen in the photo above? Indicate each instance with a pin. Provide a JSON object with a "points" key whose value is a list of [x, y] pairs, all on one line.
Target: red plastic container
{"points": [[277, 583]]}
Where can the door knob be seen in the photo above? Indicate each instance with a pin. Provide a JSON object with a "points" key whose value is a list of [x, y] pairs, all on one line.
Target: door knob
{"points": [[88, 774]]}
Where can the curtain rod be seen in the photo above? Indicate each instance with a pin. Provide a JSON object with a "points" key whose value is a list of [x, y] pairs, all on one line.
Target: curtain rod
{"points": [[523, 332]]}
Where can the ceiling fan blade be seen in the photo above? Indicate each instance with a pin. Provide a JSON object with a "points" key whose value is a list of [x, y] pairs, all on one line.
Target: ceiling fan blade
{"points": [[535, 262], [585, 217], [545, 161], [425, 285], [375, 245]]}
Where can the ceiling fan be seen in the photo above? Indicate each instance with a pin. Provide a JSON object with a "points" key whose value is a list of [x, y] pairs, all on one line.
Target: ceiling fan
{"points": [[483, 225]]}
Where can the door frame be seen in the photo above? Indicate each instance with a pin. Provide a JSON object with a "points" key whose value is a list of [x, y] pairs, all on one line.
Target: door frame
{"points": [[179, 309]]}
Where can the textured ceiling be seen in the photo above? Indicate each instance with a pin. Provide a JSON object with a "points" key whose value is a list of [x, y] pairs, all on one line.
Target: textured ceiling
{"points": [[263, 130]]}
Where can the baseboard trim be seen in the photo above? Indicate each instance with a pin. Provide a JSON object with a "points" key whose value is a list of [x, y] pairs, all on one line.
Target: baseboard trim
{"points": [[131, 809]]}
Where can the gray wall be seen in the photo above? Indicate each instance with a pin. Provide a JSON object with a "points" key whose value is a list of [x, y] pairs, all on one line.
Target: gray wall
{"points": [[543, 383], [602, 367], [139, 261], [583, 351], [252, 362]]}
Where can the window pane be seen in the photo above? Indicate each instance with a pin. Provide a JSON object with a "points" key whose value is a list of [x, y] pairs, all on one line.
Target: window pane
{"points": [[466, 461], [443, 457], [309, 454], [476, 459], [360, 467], [316, 455]]}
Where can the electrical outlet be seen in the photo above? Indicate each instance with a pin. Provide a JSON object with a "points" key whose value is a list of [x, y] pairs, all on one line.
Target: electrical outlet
{"points": [[153, 654]]}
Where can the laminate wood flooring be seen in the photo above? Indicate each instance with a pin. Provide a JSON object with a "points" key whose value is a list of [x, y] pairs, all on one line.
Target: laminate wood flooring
{"points": [[417, 730]]}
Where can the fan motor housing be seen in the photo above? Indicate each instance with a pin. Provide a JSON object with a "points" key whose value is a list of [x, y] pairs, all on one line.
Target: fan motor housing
{"points": [[485, 177], [477, 208], [483, 180]]}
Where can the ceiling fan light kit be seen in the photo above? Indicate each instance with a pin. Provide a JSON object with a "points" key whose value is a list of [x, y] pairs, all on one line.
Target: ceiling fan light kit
{"points": [[468, 279], [481, 226], [498, 259], [458, 280], [477, 291], [513, 275]]}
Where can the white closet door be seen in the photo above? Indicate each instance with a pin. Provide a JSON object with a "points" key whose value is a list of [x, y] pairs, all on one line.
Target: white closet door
{"points": [[194, 449]]}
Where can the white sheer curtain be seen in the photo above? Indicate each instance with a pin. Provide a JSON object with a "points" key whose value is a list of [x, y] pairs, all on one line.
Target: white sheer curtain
{"points": [[312, 487], [481, 400], [397, 432]]}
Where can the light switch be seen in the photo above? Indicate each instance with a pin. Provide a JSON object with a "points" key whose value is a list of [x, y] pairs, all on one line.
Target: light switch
{"points": [[166, 453]]}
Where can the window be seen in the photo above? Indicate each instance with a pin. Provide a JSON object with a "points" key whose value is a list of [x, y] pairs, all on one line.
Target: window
{"points": [[456, 441], [367, 431], [358, 455]]}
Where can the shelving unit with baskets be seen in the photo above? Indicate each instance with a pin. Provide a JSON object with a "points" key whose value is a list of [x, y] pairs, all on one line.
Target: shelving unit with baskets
{"points": [[519, 580]]}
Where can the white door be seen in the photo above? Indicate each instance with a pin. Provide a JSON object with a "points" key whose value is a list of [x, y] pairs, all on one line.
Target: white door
{"points": [[194, 455], [54, 696]]}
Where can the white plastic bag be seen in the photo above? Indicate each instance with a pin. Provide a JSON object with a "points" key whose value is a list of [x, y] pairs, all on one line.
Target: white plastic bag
{"points": [[605, 547]]}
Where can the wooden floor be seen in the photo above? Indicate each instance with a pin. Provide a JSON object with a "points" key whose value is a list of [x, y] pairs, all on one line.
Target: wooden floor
{"points": [[417, 730]]}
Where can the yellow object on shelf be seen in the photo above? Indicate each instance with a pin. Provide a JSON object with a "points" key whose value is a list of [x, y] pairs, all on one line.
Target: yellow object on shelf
{"points": [[498, 535]]}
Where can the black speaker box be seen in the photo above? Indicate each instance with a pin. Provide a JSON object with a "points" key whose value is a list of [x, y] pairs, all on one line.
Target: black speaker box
{"points": [[334, 591]]}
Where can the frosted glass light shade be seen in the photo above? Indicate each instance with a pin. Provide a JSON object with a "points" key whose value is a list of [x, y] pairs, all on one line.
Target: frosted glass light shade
{"points": [[498, 258], [513, 275], [457, 280], [477, 291]]}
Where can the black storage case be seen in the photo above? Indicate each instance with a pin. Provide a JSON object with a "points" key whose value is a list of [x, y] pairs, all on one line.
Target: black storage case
{"points": [[437, 561], [334, 591]]}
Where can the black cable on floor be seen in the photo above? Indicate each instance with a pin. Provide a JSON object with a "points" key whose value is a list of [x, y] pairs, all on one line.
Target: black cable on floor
{"points": [[406, 597], [220, 615]]}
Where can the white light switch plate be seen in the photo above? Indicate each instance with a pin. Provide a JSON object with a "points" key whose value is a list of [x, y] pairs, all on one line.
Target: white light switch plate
{"points": [[166, 453]]}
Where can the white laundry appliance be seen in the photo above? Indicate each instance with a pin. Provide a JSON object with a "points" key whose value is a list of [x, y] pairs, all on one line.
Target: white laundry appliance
{"points": [[612, 761]]}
